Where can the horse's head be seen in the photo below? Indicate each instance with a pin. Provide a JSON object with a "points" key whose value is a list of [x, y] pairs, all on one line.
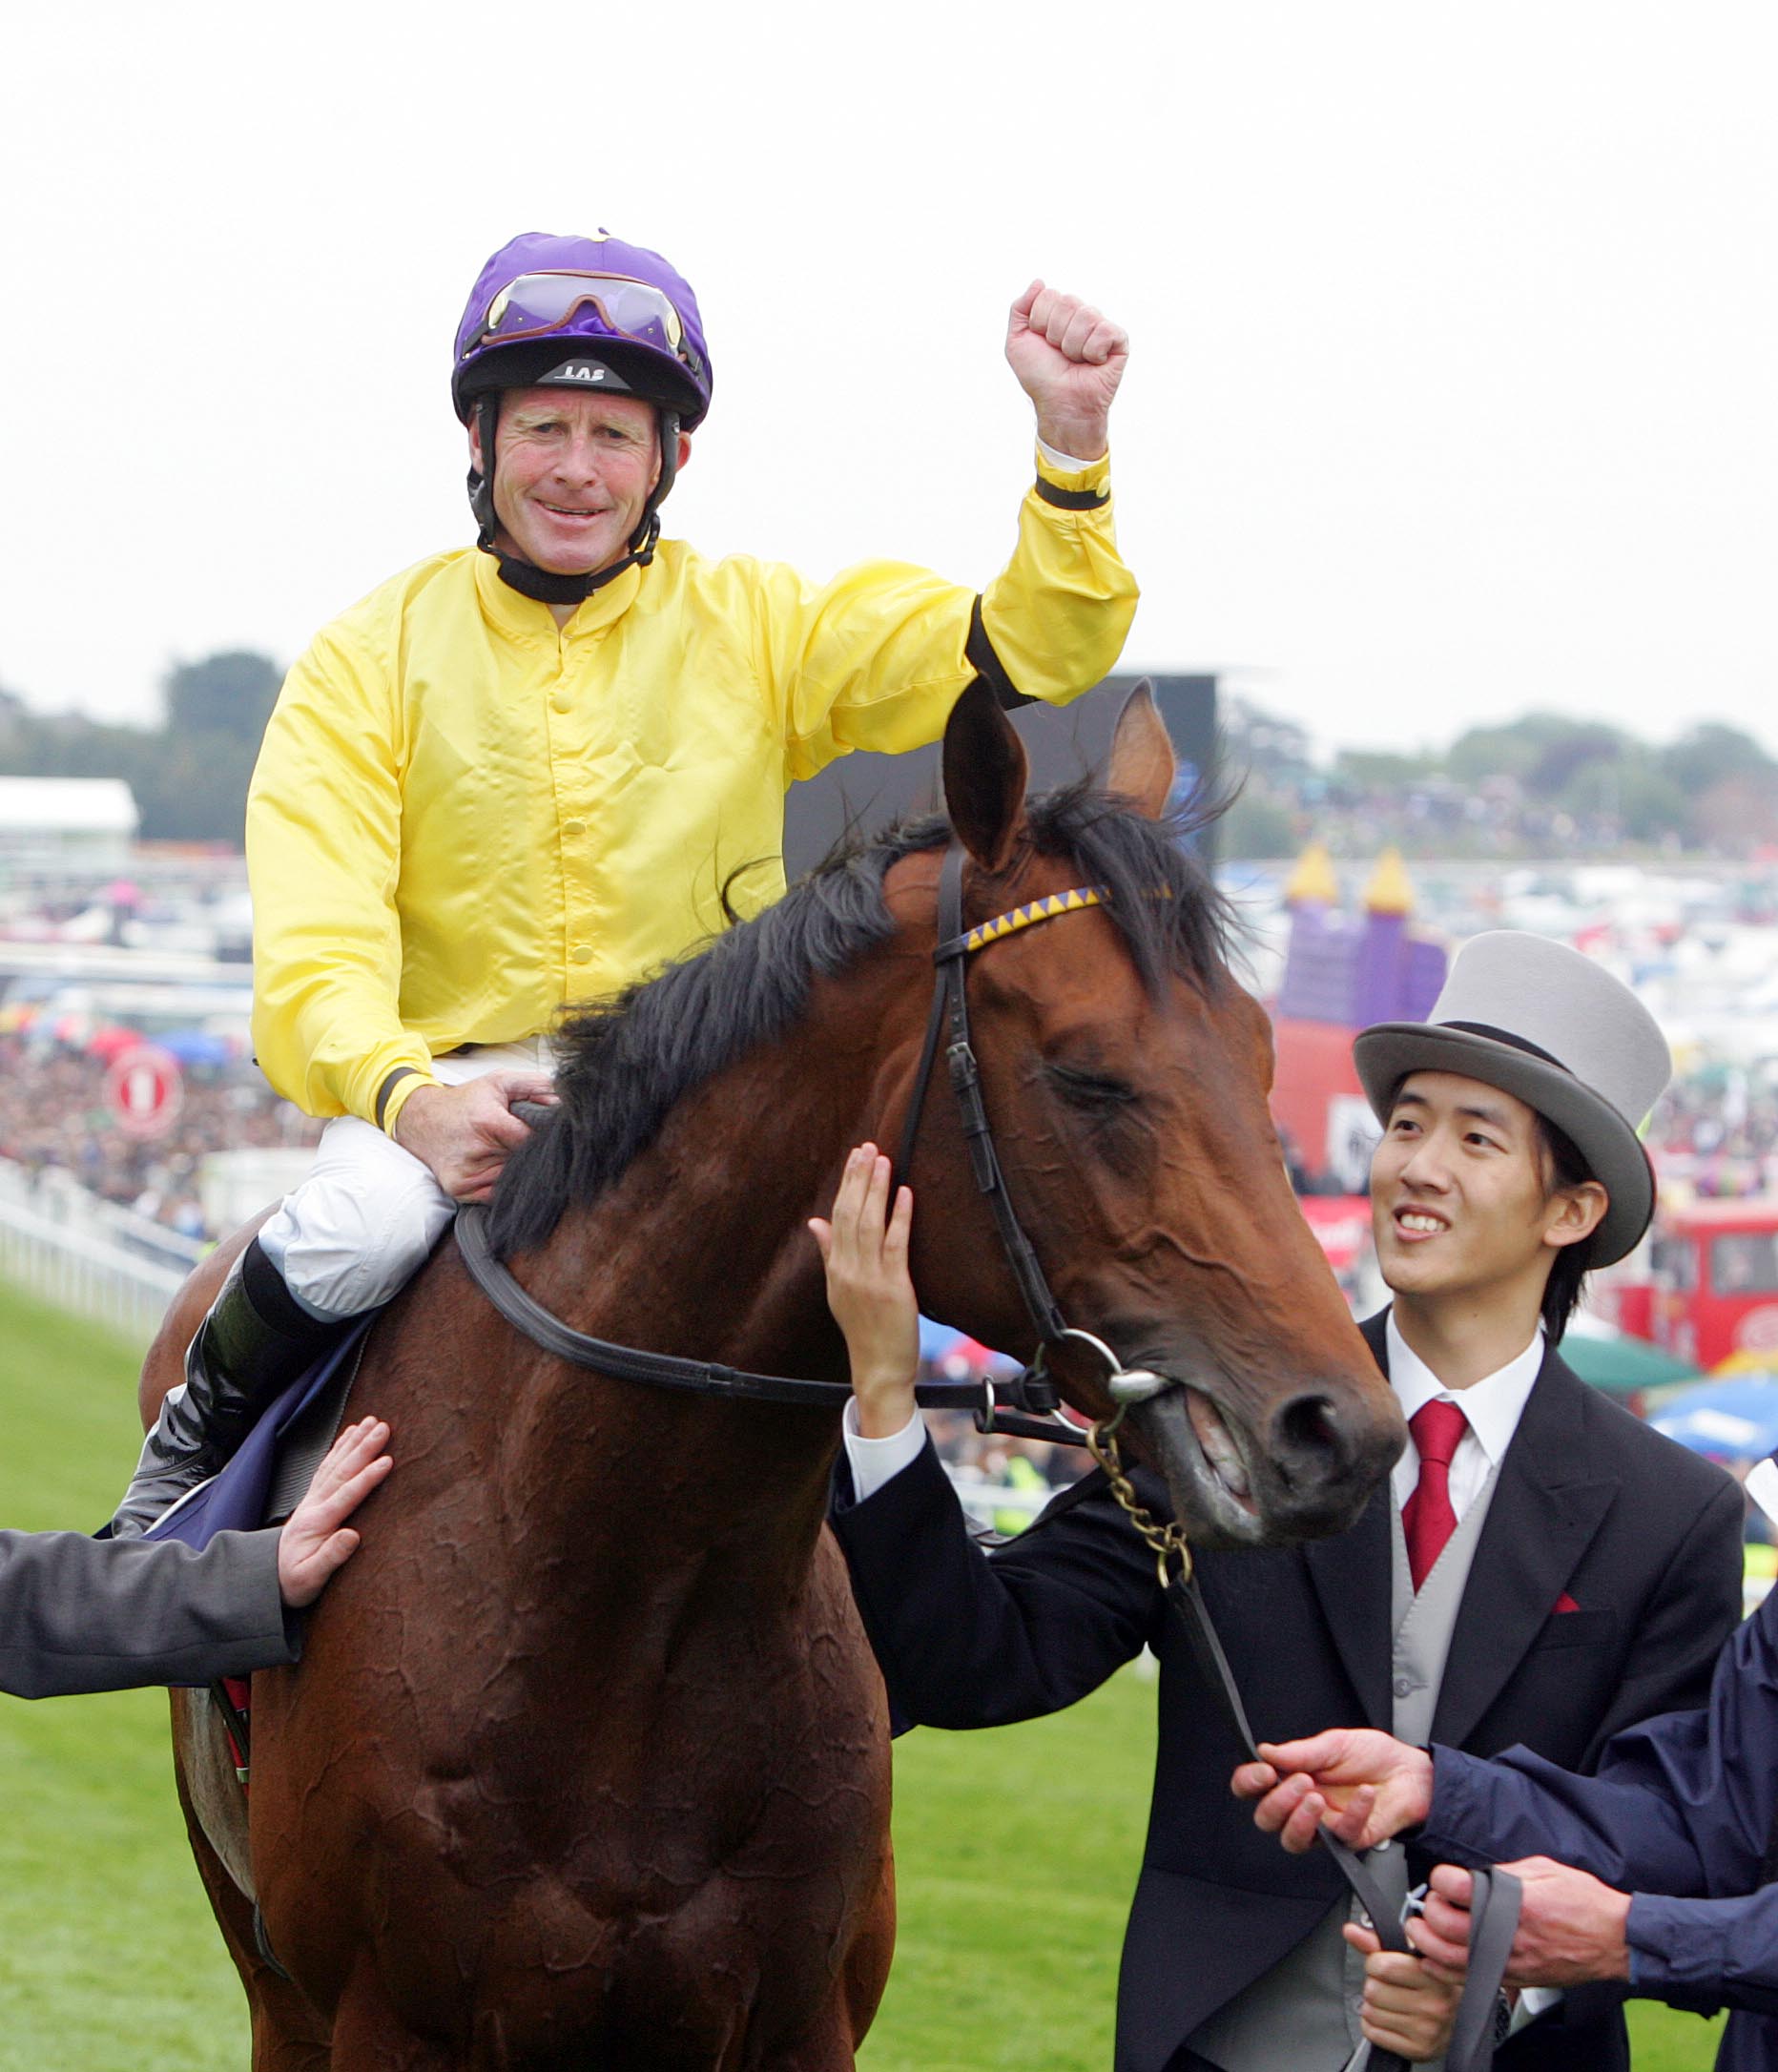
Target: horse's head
{"points": [[1125, 1075]]}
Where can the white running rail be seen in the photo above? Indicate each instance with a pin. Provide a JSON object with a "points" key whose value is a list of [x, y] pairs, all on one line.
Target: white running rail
{"points": [[90, 1270]]}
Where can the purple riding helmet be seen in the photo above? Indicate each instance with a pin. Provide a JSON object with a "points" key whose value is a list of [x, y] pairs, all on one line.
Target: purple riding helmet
{"points": [[579, 313]]}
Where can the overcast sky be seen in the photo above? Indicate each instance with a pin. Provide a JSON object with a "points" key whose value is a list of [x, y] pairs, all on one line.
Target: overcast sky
{"points": [[1454, 330]]}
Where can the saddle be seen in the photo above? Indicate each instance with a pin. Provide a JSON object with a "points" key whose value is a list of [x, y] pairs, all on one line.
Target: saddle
{"points": [[265, 1479]]}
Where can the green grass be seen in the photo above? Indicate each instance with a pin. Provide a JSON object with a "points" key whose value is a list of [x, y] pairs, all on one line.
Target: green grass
{"points": [[109, 1958], [1017, 1850]]}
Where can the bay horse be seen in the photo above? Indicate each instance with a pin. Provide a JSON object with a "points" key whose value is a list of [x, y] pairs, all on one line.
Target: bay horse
{"points": [[586, 1761]]}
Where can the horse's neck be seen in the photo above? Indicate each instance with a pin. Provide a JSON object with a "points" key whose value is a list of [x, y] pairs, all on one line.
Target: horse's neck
{"points": [[702, 1250]]}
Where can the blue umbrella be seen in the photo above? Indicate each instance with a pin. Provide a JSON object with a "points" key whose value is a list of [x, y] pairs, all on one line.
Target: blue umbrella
{"points": [[939, 1341], [936, 1340], [1736, 1420], [198, 1047]]}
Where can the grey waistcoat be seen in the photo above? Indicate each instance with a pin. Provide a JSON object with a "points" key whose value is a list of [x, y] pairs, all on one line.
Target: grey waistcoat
{"points": [[1302, 2015]]}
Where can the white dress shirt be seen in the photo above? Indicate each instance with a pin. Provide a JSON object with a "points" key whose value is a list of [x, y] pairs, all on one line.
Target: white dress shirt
{"points": [[1491, 1408]]}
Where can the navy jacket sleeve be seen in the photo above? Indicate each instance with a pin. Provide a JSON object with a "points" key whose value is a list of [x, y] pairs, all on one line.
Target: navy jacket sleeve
{"points": [[1680, 1815], [968, 1640], [80, 1614]]}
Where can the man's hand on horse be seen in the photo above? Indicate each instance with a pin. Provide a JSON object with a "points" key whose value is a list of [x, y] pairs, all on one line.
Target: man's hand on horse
{"points": [[465, 1133], [1572, 1928], [1364, 1785], [1069, 359], [864, 1248], [317, 1541]]}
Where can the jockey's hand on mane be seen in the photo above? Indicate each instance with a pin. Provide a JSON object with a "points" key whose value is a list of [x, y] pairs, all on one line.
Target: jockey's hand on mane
{"points": [[465, 1133]]}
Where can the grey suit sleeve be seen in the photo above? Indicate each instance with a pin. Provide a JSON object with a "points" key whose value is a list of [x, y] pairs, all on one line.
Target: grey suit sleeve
{"points": [[80, 1614]]}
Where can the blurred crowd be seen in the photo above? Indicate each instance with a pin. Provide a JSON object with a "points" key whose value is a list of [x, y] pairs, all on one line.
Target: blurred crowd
{"points": [[1717, 1134], [55, 1112]]}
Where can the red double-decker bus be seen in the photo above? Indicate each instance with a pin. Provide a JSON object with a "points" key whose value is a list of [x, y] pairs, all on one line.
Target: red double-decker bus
{"points": [[1715, 1274]]}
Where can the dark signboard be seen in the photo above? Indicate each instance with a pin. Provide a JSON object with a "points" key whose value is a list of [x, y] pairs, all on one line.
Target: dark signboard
{"points": [[865, 792]]}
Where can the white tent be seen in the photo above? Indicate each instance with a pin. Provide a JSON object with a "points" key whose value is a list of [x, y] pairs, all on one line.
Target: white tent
{"points": [[86, 821]]}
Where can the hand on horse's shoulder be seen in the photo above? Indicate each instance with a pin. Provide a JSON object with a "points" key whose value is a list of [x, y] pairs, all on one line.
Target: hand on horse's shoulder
{"points": [[316, 1541], [465, 1133]]}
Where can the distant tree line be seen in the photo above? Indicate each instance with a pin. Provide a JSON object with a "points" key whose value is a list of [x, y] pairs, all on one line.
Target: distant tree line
{"points": [[189, 773], [1541, 784]]}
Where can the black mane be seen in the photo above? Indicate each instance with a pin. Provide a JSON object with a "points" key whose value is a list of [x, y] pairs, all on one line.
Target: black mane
{"points": [[624, 1063]]}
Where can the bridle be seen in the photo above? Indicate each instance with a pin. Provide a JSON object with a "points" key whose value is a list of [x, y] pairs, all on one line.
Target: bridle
{"points": [[997, 1407], [1495, 1903], [948, 1022]]}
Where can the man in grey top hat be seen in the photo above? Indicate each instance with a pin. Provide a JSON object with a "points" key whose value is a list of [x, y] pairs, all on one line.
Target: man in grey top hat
{"points": [[1543, 1568]]}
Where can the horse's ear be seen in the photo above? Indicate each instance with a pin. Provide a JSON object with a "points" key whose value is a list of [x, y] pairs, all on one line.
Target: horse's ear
{"points": [[985, 773], [1143, 765]]}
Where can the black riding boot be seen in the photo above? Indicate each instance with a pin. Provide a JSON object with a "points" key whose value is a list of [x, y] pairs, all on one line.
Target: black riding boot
{"points": [[255, 1341]]}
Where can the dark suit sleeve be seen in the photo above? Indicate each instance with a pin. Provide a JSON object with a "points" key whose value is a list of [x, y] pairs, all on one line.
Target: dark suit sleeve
{"points": [[1683, 1627], [969, 1639], [80, 1614], [1680, 1815]]}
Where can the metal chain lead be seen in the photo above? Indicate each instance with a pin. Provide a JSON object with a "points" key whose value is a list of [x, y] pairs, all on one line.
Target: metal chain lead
{"points": [[1166, 1540]]}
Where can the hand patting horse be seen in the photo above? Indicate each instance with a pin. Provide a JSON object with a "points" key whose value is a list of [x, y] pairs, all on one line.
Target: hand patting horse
{"points": [[586, 1761]]}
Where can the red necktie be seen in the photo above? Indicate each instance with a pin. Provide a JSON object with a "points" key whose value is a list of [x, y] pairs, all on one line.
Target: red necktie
{"points": [[1427, 1519]]}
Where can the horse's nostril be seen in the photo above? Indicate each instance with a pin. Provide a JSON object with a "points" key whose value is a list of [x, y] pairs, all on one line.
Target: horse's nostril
{"points": [[1309, 1442]]}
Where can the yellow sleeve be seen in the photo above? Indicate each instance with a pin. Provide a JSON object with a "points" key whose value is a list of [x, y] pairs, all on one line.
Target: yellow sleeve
{"points": [[324, 857], [875, 658]]}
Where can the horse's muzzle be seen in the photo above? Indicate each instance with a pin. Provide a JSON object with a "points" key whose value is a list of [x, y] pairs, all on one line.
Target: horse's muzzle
{"points": [[1327, 1453], [1307, 1474]]}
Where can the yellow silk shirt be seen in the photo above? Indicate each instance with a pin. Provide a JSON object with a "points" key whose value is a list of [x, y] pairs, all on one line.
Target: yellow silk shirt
{"points": [[462, 818]]}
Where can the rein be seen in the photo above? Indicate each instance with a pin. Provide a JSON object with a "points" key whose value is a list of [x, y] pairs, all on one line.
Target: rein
{"points": [[706, 1377], [1494, 1907]]}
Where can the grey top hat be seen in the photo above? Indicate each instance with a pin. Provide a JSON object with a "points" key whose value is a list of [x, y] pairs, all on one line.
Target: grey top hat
{"points": [[1543, 1021]]}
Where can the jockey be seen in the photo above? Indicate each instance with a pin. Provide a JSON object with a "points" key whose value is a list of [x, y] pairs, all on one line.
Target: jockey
{"points": [[524, 774]]}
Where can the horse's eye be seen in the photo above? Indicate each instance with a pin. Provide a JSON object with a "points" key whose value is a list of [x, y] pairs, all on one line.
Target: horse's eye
{"points": [[1093, 1094]]}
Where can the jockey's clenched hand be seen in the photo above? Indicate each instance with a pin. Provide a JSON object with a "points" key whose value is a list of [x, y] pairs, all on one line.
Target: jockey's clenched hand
{"points": [[864, 1248], [465, 1133], [1069, 359]]}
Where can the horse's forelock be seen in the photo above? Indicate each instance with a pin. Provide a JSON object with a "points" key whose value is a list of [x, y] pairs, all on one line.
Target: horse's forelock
{"points": [[1162, 898]]}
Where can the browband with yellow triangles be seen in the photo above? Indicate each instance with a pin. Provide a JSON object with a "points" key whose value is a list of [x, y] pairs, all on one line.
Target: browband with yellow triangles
{"points": [[1025, 917], [1053, 903]]}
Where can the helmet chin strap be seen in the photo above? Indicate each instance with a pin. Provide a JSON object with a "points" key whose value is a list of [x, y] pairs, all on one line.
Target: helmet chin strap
{"points": [[545, 584]]}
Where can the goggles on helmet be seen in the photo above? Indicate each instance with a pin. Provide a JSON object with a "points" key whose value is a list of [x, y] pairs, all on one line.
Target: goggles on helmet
{"points": [[535, 304]]}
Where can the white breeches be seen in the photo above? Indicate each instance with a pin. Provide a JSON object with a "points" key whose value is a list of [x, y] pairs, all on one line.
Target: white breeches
{"points": [[369, 1212]]}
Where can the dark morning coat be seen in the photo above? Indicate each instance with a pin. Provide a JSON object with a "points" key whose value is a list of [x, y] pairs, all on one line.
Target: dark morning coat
{"points": [[81, 1614], [1592, 1505]]}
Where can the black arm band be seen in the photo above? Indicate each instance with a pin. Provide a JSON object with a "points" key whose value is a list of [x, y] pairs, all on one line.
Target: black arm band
{"points": [[979, 653], [388, 1086], [1072, 499]]}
